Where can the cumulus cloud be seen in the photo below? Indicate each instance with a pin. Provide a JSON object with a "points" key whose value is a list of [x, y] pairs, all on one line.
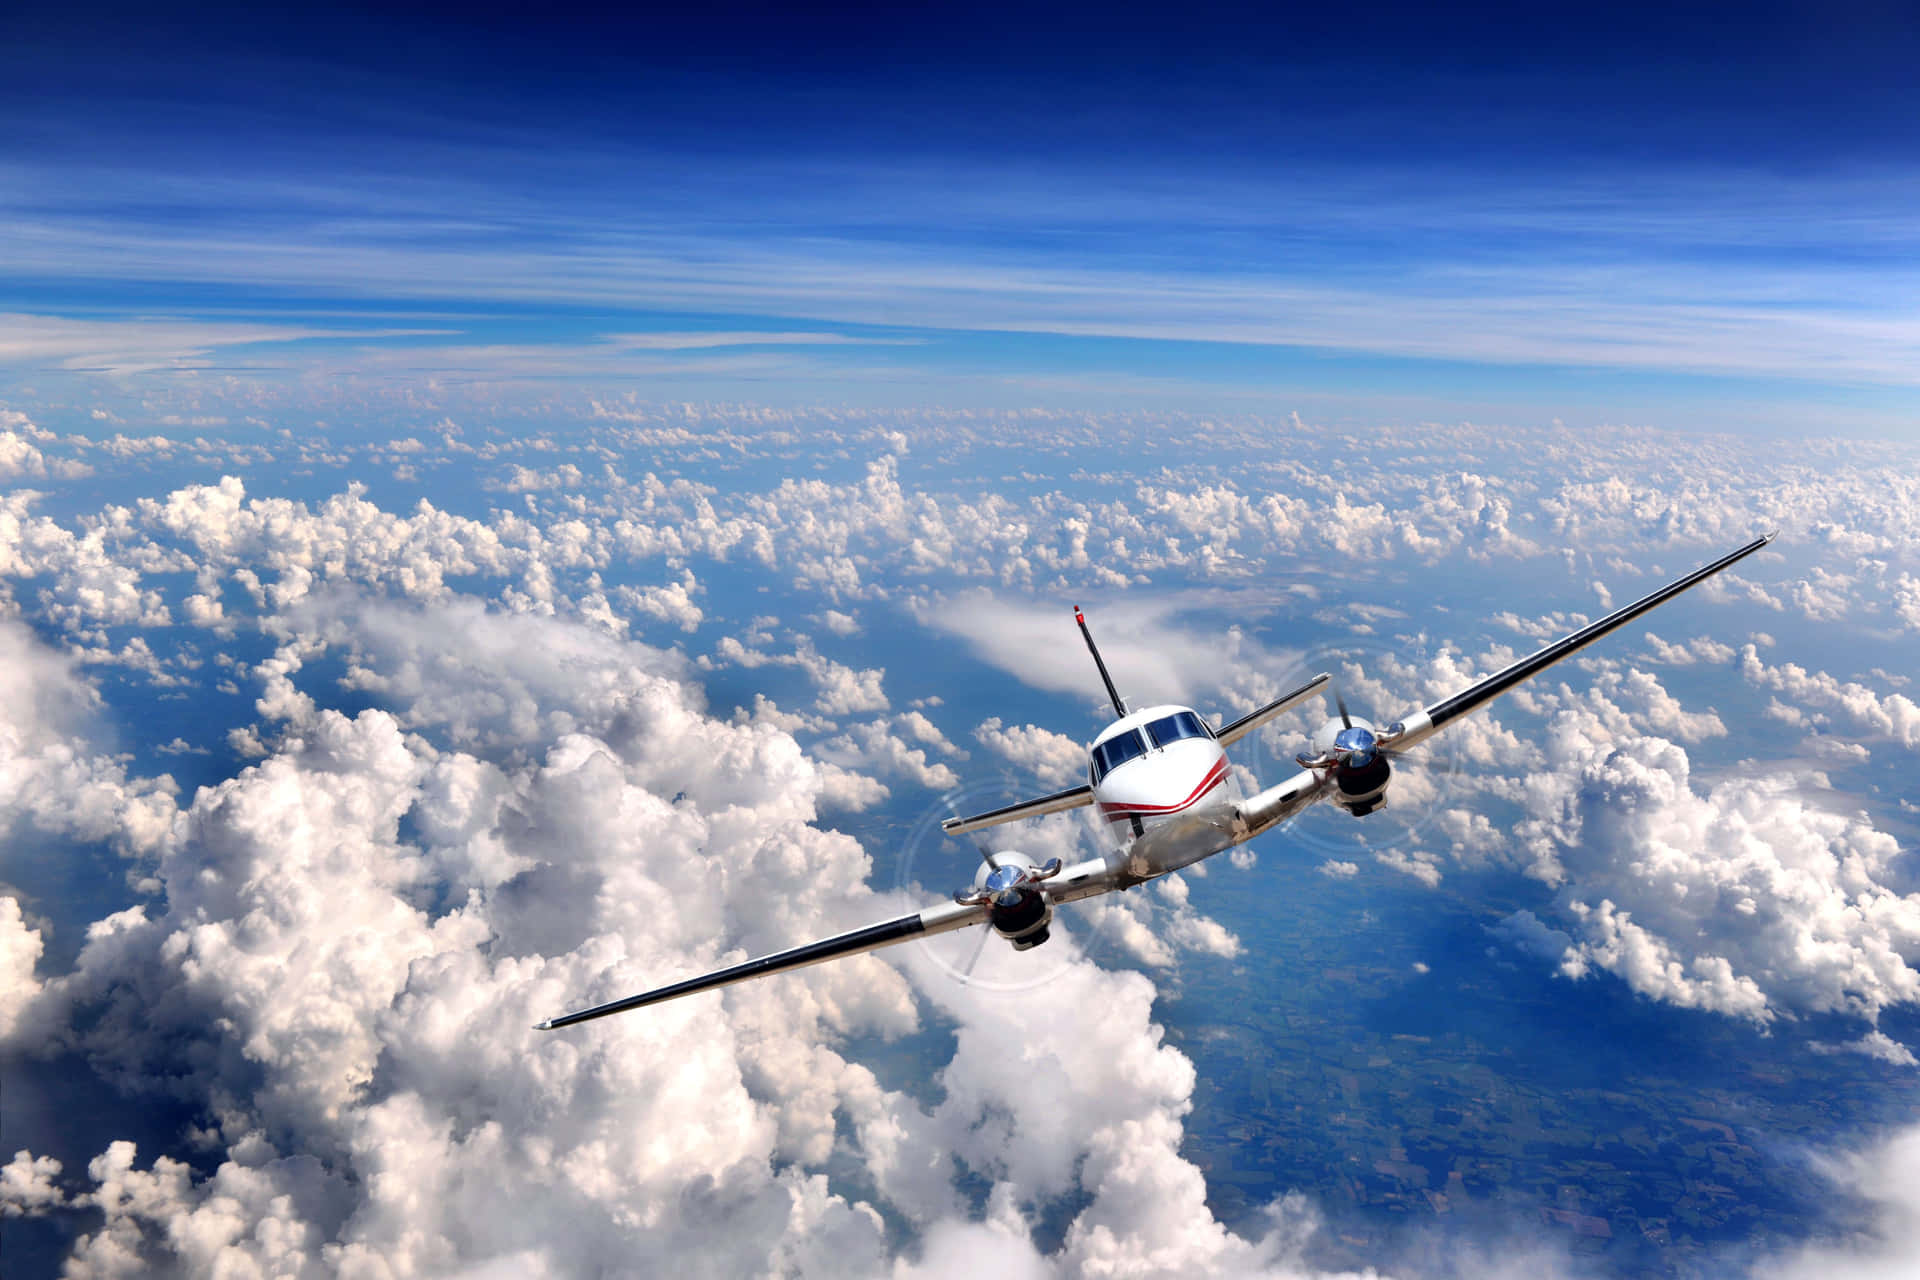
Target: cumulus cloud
{"points": [[20, 948], [481, 676], [872, 747], [395, 1053], [1698, 649], [1894, 716], [27, 1185], [672, 603], [50, 774], [357, 932], [539, 811], [1054, 758], [20, 457], [841, 690], [1746, 899]]}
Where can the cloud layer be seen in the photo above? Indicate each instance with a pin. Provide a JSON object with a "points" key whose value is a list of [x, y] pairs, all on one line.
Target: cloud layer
{"points": [[335, 948]]}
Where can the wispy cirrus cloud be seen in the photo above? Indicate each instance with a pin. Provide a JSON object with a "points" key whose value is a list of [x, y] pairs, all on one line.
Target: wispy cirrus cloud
{"points": [[141, 345], [1652, 274], [696, 341]]}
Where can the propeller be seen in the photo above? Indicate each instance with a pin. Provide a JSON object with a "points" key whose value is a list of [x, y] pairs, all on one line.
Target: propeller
{"points": [[1358, 762], [925, 856], [1355, 746], [1006, 883], [1014, 904], [966, 971]]}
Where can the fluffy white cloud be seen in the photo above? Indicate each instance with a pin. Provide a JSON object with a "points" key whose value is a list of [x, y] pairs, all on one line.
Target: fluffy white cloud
{"points": [[1698, 649], [354, 931], [20, 948], [482, 676], [353, 1004], [672, 603], [841, 690], [50, 775], [1748, 899], [19, 456], [1894, 716], [873, 747], [28, 1186], [1054, 758]]}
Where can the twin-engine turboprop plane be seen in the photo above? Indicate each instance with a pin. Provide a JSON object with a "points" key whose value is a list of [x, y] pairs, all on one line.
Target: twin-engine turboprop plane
{"points": [[1159, 777]]}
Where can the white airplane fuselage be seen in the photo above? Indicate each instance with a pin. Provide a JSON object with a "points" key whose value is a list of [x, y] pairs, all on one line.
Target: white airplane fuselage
{"points": [[1169, 796]]}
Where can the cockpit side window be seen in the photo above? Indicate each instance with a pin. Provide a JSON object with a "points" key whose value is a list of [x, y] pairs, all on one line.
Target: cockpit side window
{"points": [[1182, 724], [1116, 751]]}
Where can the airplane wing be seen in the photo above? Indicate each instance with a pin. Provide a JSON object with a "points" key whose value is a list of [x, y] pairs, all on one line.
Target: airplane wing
{"points": [[1430, 720], [1071, 798], [1246, 724], [943, 918], [1280, 802]]}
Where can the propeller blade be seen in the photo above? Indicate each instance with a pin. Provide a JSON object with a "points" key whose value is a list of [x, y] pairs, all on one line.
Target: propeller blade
{"points": [[966, 974], [1340, 701]]}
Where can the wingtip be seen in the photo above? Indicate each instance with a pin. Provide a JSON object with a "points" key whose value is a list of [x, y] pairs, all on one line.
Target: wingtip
{"points": [[544, 1025], [948, 824], [1771, 536]]}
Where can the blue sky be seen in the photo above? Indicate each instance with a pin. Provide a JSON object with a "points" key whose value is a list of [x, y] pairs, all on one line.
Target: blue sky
{"points": [[1623, 215]]}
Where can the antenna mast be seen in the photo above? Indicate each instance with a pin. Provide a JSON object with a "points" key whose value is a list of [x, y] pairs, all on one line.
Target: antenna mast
{"points": [[1119, 707]]}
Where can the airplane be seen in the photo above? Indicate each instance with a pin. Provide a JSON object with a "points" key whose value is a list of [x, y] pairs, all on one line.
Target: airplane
{"points": [[1160, 779]]}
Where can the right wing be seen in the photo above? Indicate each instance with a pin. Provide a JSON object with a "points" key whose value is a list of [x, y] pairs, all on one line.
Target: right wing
{"points": [[1071, 798], [937, 919]]}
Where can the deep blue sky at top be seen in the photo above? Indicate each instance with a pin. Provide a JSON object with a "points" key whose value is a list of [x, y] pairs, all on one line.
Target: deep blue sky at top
{"points": [[1400, 210]]}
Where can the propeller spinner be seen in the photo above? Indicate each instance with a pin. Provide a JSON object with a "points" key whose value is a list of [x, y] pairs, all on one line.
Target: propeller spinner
{"points": [[1016, 907], [1355, 756]]}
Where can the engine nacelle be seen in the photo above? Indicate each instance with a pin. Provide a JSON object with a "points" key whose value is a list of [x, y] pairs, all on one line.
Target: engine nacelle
{"points": [[1016, 908], [1024, 922], [1360, 771], [1360, 789]]}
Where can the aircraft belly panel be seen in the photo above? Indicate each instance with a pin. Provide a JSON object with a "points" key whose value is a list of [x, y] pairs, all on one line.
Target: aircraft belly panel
{"points": [[1184, 838]]}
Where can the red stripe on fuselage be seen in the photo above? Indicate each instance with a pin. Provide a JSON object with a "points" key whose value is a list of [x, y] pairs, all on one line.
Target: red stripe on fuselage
{"points": [[1121, 812]]}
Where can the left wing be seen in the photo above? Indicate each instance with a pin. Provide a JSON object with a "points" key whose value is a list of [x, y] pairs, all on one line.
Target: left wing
{"points": [[1430, 720], [1280, 802], [941, 919]]}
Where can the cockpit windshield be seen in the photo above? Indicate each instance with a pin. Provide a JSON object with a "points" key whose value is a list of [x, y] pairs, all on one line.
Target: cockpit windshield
{"points": [[1116, 751], [1182, 724]]}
